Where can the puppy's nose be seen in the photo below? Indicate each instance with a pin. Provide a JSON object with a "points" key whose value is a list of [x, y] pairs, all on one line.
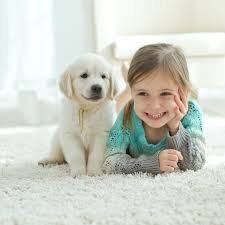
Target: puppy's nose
{"points": [[96, 89]]}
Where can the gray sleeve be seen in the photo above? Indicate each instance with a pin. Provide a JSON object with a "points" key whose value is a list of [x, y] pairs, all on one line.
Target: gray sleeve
{"points": [[192, 148], [124, 163]]}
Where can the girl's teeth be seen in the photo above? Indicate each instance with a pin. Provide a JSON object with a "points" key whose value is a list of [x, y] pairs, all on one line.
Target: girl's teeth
{"points": [[156, 116]]}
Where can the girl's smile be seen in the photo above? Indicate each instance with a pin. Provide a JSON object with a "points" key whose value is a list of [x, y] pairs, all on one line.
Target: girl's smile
{"points": [[155, 120], [155, 116]]}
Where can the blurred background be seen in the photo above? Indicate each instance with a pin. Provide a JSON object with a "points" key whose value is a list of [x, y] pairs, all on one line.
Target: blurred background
{"points": [[39, 38]]}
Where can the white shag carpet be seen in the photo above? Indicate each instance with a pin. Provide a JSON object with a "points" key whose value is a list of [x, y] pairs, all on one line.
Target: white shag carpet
{"points": [[30, 194]]}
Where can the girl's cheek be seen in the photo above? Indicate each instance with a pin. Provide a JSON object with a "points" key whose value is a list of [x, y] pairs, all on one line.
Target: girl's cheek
{"points": [[170, 103]]}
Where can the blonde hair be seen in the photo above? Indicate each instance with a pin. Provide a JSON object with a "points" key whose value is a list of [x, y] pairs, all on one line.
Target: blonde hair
{"points": [[164, 57]]}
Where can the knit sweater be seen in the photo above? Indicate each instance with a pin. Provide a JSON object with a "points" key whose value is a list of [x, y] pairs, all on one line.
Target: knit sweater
{"points": [[128, 150]]}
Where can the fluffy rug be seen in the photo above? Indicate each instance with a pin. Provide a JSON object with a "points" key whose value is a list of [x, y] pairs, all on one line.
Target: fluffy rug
{"points": [[30, 194]]}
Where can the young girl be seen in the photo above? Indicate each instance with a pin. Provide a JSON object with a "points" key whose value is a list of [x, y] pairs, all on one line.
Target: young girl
{"points": [[160, 129]]}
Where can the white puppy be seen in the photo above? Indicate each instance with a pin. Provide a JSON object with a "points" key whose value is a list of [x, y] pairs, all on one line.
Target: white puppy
{"points": [[87, 114]]}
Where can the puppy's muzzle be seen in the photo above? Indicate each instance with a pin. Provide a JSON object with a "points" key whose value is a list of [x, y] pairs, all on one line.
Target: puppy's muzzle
{"points": [[95, 93]]}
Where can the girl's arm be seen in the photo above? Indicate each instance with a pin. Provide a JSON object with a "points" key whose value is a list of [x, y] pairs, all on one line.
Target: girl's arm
{"points": [[189, 139], [124, 163]]}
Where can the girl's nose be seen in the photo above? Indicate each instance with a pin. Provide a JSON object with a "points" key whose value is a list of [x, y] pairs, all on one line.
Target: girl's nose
{"points": [[154, 103]]}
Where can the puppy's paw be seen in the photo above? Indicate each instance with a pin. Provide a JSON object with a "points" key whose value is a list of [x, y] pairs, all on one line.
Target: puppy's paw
{"points": [[47, 161], [76, 172], [94, 172]]}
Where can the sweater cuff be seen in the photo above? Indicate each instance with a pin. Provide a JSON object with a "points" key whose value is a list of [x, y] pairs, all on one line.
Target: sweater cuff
{"points": [[179, 140], [150, 163]]}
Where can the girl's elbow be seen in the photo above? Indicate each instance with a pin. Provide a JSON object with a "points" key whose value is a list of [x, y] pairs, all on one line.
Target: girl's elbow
{"points": [[199, 158], [107, 167], [198, 164], [193, 164]]}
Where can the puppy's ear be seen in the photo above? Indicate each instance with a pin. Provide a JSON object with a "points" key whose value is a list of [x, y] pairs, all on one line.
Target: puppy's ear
{"points": [[65, 84], [114, 88]]}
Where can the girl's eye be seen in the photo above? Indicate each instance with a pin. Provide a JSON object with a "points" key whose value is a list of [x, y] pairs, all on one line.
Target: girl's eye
{"points": [[103, 76], [84, 75], [165, 94], [143, 94]]}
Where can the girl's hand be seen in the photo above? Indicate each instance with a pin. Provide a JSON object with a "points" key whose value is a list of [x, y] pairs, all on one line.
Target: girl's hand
{"points": [[168, 160], [180, 111]]}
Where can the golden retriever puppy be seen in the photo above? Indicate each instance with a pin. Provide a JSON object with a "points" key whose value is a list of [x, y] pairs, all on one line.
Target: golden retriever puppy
{"points": [[87, 114]]}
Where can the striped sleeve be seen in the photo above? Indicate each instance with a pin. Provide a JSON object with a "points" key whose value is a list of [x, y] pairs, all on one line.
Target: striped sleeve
{"points": [[124, 163]]}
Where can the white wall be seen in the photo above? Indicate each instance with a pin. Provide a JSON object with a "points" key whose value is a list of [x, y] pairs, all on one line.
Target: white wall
{"points": [[209, 15], [153, 16], [169, 16], [73, 30], [3, 40]]}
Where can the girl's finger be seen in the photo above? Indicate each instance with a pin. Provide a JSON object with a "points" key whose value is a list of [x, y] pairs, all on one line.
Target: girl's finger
{"points": [[171, 163], [178, 114], [168, 169], [183, 97], [180, 104], [172, 151], [173, 157], [179, 155], [175, 152]]}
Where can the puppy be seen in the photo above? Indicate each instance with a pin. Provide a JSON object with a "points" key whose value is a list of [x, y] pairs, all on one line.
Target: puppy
{"points": [[87, 114]]}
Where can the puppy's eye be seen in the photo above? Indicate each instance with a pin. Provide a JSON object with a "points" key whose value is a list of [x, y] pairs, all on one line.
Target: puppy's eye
{"points": [[103, 76], [84, 75]]}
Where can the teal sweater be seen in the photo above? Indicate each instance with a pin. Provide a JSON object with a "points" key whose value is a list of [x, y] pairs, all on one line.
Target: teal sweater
{"points": [[128, 150]]}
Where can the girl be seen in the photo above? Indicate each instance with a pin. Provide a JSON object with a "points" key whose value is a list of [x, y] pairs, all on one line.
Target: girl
{"points": [[160, 128]]}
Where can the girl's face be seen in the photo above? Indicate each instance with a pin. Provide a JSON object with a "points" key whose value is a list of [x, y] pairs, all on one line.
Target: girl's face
{"points": [[154, 99]]}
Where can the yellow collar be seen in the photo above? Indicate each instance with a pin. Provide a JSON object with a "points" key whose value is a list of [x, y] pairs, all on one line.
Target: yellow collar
{"points": [[81, 118]]}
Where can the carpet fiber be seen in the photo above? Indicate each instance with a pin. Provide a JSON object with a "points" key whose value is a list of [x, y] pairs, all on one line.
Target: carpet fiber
{"points": [[30, 194]]}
